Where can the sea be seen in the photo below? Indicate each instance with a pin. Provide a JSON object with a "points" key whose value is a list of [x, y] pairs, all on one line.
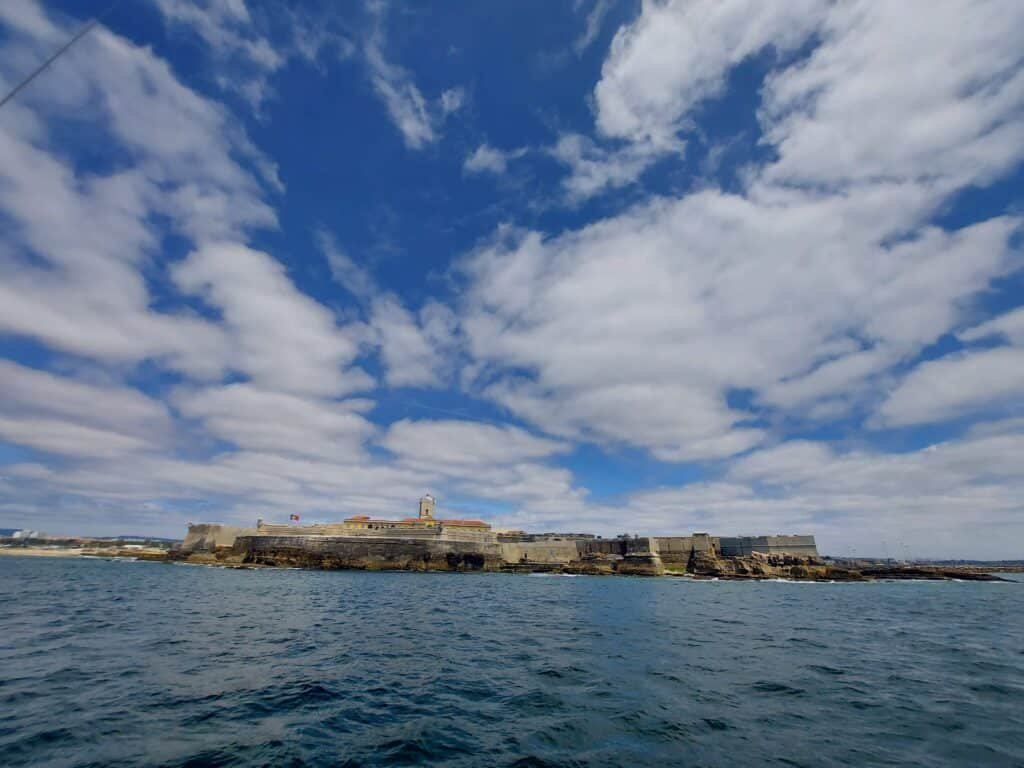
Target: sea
{"points": [[121, 663]]}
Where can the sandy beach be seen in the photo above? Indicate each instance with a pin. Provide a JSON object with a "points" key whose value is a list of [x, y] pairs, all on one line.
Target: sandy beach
{"points": [[42, 551]]}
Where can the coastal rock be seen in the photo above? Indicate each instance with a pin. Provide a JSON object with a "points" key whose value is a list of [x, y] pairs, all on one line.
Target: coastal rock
{"points": [[640, 564]]}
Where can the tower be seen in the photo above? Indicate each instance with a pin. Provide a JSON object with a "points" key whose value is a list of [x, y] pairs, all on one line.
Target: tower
{"points": [[427, 505]]}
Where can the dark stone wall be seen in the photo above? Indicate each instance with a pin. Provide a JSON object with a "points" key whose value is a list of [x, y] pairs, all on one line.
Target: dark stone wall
{"points": [[368, 553], [621, 547], [744, 546]]}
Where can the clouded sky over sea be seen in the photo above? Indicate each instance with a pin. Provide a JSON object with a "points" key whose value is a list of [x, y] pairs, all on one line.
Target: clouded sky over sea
{"points": [[656, 267]]}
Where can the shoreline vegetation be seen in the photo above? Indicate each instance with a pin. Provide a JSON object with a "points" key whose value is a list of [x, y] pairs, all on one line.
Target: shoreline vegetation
{"points": [[750, 568]]}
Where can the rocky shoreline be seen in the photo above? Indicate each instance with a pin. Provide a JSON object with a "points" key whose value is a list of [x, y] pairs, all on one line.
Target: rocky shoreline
{"points": [[754, 567], [701, 566]]}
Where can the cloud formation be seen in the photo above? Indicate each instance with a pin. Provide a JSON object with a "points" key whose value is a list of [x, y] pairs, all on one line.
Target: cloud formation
{"points": [[179, 345]]}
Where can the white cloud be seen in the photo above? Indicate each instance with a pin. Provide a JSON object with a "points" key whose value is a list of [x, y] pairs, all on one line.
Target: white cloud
{"points": [[353, 277], [677, 53], [280, 337], [458, 445], [417, 118], [452, 100], [690, 327], [75, 418], [78, 240], [487, 159], [261, 420], [943, 501], [806, 289], [953, 386], [225, 26], [594, 168], [29, 19], [1009, 326], [636, 328], [592, 25], [927, 92], [406, 106], [242, 54], [949, 118], [65, 438], [31, 392], [416, 350]]}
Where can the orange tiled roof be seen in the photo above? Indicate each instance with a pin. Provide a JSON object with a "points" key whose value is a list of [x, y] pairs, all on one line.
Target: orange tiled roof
{"points": [[359, 517]]}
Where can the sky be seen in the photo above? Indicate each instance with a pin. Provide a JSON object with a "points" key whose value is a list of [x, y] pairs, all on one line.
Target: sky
{"points": [[645, 267]]}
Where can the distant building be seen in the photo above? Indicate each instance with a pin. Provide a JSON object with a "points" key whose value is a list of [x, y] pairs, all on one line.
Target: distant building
{"points": [[424, 522], [425, 519]]}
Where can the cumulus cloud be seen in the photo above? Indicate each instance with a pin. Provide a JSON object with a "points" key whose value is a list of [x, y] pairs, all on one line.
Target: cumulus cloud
{"points": [[70, 417], [803, 290], [636, 328], [416, 350], [840, 116], [950, 387], [256, 419], [77, 240], [950, 117], [279, 336], [696, 327], [464, 444], [677, 53]]}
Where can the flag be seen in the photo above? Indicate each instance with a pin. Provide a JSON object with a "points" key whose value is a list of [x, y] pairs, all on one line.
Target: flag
{"points": [[293, 517]]}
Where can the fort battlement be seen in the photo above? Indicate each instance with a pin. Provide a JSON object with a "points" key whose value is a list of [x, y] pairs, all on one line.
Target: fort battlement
{"points": [[426, 542]]}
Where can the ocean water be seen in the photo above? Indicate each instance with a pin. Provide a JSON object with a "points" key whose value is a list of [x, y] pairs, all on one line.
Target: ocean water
{"points": [[107, 663]]}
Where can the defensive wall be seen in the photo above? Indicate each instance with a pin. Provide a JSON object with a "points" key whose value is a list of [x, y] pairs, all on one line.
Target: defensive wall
{"points": [[209, 537], [742, 546], [670, 549], [441, 547], [369, 552]]}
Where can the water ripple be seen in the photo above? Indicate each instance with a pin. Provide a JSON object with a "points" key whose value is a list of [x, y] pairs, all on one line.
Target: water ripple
{"points": [[141, 664]]}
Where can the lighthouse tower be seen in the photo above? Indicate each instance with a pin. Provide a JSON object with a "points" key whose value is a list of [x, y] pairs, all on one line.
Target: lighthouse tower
{"points": [[427, 505]]}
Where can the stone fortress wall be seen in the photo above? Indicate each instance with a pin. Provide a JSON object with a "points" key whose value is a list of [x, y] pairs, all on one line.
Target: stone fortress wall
{"points": [[369, 552], [742, 546], [209, 537], [428, 543]]}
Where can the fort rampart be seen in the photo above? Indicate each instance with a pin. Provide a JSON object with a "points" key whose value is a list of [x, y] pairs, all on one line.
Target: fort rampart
{"points": [[369, 552], [455, 548]]}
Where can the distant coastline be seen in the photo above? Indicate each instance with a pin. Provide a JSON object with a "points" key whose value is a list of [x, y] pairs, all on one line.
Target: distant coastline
{"points": [[209, 544], [430, 542]]}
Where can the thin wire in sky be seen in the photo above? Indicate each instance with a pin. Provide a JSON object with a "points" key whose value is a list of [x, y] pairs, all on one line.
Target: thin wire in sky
{"points": [[60, 51]]}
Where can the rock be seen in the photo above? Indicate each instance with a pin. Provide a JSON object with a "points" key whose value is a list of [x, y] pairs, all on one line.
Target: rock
{"points": [[640, 564]]}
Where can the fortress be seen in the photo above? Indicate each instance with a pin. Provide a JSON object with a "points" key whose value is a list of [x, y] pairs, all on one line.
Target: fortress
{"points": [[426, 542]]}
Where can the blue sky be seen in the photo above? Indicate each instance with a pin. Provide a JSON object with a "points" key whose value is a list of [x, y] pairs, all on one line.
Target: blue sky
{"points": [[621, 267]]}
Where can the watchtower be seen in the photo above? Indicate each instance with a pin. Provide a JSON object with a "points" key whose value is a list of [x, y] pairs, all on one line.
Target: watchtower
{"points": [[427, 505]]}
